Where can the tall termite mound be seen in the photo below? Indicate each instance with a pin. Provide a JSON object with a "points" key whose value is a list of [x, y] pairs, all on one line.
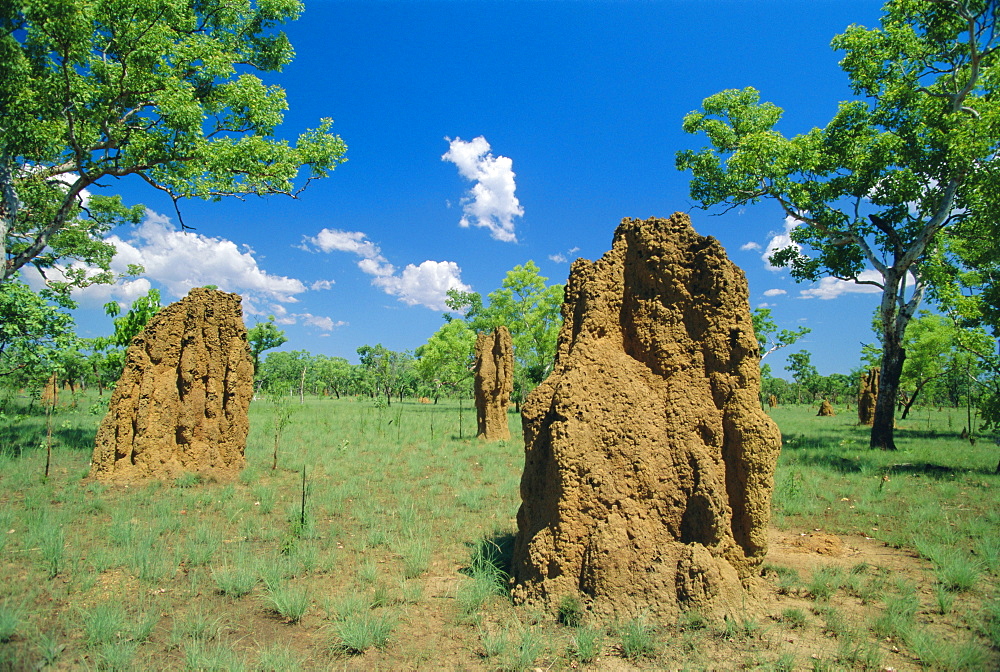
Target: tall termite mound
{"points": [[867, 395], [648, 459], [494, 381], [181, 403]]}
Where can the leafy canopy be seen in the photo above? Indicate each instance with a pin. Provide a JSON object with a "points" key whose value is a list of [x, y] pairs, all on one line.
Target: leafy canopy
{"points": [[162, 89], [883, 183]]}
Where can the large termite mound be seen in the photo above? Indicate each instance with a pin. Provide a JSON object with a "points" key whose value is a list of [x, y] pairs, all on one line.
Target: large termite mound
{"points": [[648, 459], [867, 396], [494, 381], [181, 402], [826, 409]]}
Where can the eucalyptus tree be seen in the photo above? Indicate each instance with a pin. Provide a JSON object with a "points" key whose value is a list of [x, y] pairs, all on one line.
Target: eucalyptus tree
{"points": [[165, 90], [879, 187], [530, 309], [264, 336], [445, 362]]}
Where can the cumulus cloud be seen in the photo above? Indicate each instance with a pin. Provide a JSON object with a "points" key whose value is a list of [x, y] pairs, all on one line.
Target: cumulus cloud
{"points": [[780, 241], [490, 202], [321, 284], [425, 285], [831, 288], [179, 260], [747, 247], [774, 292]]}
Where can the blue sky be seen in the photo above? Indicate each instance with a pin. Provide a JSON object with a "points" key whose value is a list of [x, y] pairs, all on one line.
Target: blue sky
{"points": [[538, 124]]}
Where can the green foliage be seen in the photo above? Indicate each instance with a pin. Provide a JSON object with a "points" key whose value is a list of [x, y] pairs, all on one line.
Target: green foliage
{"points": [[129, 325], [529, 309], [162, 89], [264, 336], [769, 337], [34, 332], [880, 187], [445, 362]]}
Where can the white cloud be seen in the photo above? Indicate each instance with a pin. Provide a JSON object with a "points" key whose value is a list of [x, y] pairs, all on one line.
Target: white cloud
{"points": [[746, 247], [765, 304], [179, 260], [490, 202], [426, 285], [774, 292], [831, 288], [321, 284], [780, 241], [561, 258], [320, 322]]}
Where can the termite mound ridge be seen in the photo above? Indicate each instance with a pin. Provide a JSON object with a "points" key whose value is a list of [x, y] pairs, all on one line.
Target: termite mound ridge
{"points": [[867, 396], [649, 461], [494, 382], [181, 403]]}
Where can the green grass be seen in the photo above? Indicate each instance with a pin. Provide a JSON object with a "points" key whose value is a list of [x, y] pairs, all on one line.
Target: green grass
{"points": [[407, 543]]}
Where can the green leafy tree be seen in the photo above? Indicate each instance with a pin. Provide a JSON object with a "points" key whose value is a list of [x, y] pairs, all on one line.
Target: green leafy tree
{"points": [[530, 310], [131, 324], [162, 89], [281, 372], [264, 336], [882, 183], [385, 369], [769, 337], [34, 330], [803, 372], [333, 374], [445, 362]]}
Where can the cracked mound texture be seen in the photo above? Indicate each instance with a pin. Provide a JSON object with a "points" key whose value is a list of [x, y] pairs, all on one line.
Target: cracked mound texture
{"points": [[867, 396], [181, 403], [494, 382], [648, 459]]}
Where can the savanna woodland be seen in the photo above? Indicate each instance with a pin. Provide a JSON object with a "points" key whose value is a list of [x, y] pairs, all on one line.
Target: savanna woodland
{"points": [[369, 528]]}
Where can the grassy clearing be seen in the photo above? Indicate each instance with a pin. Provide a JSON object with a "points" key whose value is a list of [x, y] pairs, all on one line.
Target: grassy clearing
{"points": [[399, 560]]}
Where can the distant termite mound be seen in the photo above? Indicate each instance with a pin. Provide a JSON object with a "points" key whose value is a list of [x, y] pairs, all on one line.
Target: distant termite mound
{"points": [[826, 409], [181, 403], [494, 381], [867, 395], [649, 461], [772, 401]]}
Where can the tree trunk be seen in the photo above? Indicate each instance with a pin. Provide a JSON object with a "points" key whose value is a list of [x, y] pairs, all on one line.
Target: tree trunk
{"points": [[884, 423]]}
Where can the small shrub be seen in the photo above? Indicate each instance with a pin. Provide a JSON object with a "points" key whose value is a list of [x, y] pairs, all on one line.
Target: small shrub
{"points": [[570, 612]]}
